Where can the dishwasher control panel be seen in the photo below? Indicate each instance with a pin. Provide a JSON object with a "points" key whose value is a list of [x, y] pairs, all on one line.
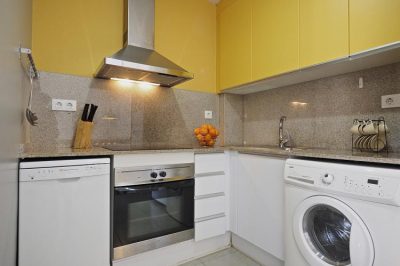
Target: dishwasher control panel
{"points": [[31, 173]]}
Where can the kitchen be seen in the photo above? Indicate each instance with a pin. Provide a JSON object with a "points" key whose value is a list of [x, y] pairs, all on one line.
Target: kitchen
{"points": [[200, 132]]}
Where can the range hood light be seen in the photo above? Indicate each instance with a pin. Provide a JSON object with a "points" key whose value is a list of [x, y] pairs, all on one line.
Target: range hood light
{"points": [[136, 81]]}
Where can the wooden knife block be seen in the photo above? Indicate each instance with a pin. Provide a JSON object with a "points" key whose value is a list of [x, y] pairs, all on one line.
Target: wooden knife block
{"points": [[83, 135]]}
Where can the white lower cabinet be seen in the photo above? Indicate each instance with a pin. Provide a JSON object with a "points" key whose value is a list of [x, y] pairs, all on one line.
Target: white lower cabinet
{"points": [[211, 184], [210, 228], [242, 193], [210, 196], [207, 207], [210, 163], [257, 201]]}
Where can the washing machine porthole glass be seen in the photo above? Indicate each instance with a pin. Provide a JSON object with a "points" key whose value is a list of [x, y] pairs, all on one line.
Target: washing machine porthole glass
{"points": [[327, 231]]}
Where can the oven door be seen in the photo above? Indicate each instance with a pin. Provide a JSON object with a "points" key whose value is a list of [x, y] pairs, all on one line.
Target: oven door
{"points": [[151, 216]]}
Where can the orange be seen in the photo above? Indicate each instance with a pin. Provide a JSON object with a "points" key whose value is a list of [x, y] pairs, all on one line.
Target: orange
{"points": [[199, 137], [216, 132], [213, 132], [204, 126], [203, 131], [197, 131], [208, 137], [211, 142]]}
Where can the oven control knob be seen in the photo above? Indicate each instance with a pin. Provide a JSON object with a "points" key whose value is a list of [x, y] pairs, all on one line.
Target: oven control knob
{"points": [[163, 174], [153, 174], [327, 179]]}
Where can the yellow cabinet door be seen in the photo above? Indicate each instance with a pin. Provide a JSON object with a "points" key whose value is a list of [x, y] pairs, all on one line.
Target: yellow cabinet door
{"points": [[185, 32], [234, 43], [275, 40], [373, 23], [324, 31]]}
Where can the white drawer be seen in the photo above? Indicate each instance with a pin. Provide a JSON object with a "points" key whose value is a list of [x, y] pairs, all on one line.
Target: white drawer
{"points": [[212, 184], [209, 206], [209, 228], [209, 163]]}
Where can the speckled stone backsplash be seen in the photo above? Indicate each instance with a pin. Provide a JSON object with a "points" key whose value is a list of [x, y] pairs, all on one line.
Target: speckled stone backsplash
{"points": [[320, 113], [127, 114]]}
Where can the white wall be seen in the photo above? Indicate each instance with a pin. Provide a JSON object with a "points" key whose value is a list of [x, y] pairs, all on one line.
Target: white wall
{"points": [[15, 28]]}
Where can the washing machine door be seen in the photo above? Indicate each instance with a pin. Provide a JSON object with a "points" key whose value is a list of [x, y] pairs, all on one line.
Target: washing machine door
{"points": [[328, 232]]}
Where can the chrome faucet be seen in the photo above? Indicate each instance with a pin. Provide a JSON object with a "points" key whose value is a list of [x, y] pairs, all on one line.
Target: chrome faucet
{"points": [[283, 140]]}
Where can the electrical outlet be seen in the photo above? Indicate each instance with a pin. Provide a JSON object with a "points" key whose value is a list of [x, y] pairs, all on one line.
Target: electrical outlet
{"points": [[208, 114], [390, 101], [63, 105]]}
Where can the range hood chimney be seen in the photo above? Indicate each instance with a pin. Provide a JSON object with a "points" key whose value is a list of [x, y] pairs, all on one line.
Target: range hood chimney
{"points": [[138, 61]]}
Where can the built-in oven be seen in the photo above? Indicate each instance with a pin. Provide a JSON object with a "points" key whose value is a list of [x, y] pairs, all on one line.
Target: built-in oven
{"points": [[153, 206]]}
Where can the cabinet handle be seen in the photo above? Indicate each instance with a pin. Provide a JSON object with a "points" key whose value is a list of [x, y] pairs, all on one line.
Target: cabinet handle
{"points": [[209, 174], [211, 217], [214, 195]]}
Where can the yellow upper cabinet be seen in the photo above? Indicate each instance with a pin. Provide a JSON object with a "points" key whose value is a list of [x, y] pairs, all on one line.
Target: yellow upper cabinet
{"points": [[373, 23], [234, 43], [73, 37], [275, 37], [324, 31], [186, 33]]}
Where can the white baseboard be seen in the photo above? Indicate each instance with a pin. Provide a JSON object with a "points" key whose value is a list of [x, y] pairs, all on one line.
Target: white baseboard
{"points": [[255, 252], [178, 253]]}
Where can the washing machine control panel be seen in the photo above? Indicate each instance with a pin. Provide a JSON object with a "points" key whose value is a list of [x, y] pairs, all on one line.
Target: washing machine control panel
{"points": [[370, 183], [372, 186], [363, 185]]}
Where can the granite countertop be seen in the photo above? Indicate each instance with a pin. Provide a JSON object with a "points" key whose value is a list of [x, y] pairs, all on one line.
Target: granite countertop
{"points": [[344, 155], [98, 151], [384, 158]]}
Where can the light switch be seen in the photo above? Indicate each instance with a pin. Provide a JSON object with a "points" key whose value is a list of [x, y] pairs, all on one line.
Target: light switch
{"points": [[208, 114], [360, 82]]}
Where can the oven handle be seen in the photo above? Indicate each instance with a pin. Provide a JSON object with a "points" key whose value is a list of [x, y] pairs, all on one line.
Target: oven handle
{"points": [[121, 183], [134, 189], [131, 189]]}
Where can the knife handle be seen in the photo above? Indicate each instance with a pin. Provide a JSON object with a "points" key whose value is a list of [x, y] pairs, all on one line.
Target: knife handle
{"points": [[85, 113], [93, 109]]}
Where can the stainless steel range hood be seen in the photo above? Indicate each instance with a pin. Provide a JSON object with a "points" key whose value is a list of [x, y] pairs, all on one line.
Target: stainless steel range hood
{"points": [[138, 61]]}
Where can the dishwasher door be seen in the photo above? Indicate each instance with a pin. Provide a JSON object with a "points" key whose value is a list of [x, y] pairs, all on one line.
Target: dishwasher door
{"points": [[64, 213]]}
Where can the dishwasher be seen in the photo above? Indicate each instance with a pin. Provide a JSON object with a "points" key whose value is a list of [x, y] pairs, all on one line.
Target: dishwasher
{"points": [[64, 212]]}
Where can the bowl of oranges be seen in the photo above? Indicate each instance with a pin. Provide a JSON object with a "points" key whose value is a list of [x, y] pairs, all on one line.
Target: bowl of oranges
{"points": [[206, 135]]}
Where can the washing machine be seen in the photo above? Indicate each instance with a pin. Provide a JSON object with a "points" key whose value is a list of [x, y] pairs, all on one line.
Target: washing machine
{"points": [[341, 214]]}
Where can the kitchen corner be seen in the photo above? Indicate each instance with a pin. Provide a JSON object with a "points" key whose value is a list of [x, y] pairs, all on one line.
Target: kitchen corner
{"points": [[200, 133], [149, 135]]}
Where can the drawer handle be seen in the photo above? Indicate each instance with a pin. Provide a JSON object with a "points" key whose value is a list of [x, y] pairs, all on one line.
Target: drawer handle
{"points": [[209, 196], [211, 217], [210, 174]]}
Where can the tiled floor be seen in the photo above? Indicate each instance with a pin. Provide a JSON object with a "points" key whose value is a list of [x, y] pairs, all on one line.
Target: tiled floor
{"points": [[226, 257]]}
